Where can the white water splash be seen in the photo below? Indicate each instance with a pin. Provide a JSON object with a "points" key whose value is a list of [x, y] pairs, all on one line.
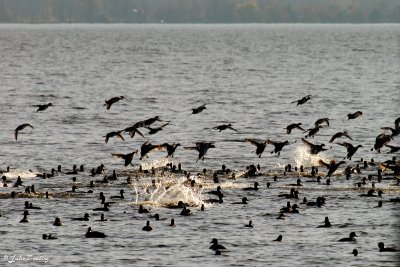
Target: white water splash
{"points": [[303, 157], [21, 173], [156, 163]]}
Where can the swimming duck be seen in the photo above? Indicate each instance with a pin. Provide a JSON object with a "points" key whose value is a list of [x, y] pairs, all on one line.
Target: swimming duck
{"points": [[48, 237], [279, 238], [147, 228], [327, 224], [19, 128], [355, 252], [84, 218], [143, 210], [244, 201], [185, 212], [250, 224], [349, 239], [108, 103], [94, 234], [121, 195], [172, 224], [215, 244], [255, 187], [57, 222], [382, 248], [25, 218]]}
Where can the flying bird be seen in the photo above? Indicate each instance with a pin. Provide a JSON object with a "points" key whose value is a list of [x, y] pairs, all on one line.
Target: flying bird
{"points": [[293, 126], [199, 109], [395, 132], [278, 146], [156, 130], [321, 121], [313, 131], [21, 127], [127, 157], [314, 149], [170, 148], [147, 147], [132, 130], [224, 127], [332, 166], [380, 141], [111, 101], [202, 148], [113, 134], [338, 135], [354, 115], [351, 150], [147, 122], [260, 146], [393, 149], [43, 107], [302, 101]]}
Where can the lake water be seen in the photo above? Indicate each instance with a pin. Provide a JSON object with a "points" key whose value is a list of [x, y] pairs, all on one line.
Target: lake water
{"points": [[247, 75]]}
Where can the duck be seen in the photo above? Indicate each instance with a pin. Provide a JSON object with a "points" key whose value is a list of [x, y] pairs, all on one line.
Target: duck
{"points": [[25, 218], [21, 127], [170, 149], [255, 187], [94, 234], [104, 208], [121, 196], [260, 146], [143, 210], [354, 252], [321, 121], [279, 238], [354, 115], [113, 100], [147, 228], [332, 166], [29, 205], [202, 148], [293, 126], [382, 248], [217, 192], [199, 109], [298, 183], [313, 148], [113, 134], [225, 127], [326, 224], [278, 146], [43, 107], [313, 131], [349, 239], [126, 157], [381, 140], [338, 135], [48, 237], [147, 147], [215, 245], [302, 101], [244, 201], [351, 150], [250, 224], [156, 130], [185, 212], [133, 130], [172, 224], [57, 222], [84, 218]]}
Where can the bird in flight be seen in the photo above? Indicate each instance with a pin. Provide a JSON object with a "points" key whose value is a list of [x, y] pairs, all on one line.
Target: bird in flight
{"points": [[113, 134], [340, 134], [19, 128], [260, 146], [111, 101], [224, 127], [43, 107], [199, 109], [302, 101], [202, 148], [293, 126], [127, 157]]}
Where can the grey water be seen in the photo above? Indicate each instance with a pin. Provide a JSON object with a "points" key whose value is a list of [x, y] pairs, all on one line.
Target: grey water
{"points": [[247, 75]]}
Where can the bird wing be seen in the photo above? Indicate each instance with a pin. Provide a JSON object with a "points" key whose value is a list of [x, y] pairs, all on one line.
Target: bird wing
{"points": [[252, 141], [322, 163], [307, 143], [230, 127]]}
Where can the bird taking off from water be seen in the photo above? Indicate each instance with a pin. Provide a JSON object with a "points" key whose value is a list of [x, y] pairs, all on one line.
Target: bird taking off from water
{"points": [[352, 116], [332, 166], [127, 157], [199, 109], [147, 147], [314, 149], [278, 146], [43, 107], [19, 128], [302, 101], [113, 100], [224, 127]]}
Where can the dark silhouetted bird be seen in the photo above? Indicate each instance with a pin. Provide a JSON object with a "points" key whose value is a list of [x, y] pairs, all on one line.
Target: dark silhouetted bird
{"points": [[303, 100], [132, 130], [278, 146], [349, 239], [351, 150], [380, 141], [113, 134], [43, 107], [393, 149], [292, 126], [224, 127], [147, 147], [170, 148], [113, 100], [320, 121], [202, 148], [21, 127], [354, 115], [382, 248], [215, 244], [313, 131], [127, 157], [314, 149], [94, 234], [199, 109], [395, 132], [157, 129], [340, 134], [260, 146], [332, 166]]}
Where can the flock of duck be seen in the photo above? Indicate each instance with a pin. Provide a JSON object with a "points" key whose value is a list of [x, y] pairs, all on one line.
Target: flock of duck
{"points": [[390, 168]]}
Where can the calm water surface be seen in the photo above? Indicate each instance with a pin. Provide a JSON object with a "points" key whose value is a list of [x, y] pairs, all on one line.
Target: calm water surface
{"points": [[248, 75]]}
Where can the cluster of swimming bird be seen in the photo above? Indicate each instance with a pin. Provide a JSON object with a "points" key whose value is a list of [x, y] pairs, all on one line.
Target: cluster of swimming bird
{"points": [[202, 147]]}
